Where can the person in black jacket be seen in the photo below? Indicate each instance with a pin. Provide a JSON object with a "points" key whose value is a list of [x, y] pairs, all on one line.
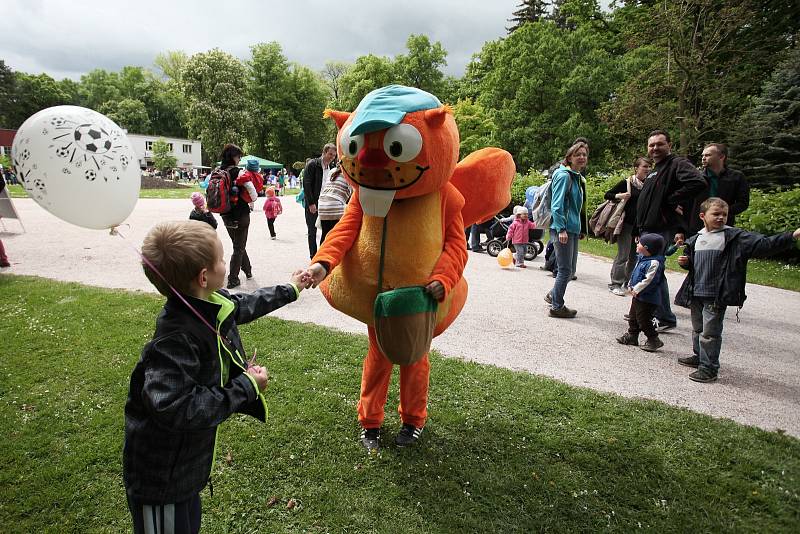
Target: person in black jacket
{"points": [[237, 220], [315, 175], [191, 376], [200, 213], [673, 183], [627, 190], [728, 184], [716, 258]]}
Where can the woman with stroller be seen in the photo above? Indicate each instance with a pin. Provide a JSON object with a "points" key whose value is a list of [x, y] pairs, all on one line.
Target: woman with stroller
{"points": [[518, 234], [628, 191], [569, 224]]}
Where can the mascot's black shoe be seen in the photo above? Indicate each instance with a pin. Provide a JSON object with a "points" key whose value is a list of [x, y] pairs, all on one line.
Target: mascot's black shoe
{"points": [[369, 438], [408, 435]]}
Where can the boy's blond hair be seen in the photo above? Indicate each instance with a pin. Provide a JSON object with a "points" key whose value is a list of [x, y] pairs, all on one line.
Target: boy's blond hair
{"points": [[179, 250], [713, 201]]}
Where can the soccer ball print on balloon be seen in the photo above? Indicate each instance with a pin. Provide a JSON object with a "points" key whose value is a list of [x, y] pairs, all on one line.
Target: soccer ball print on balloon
{"points": [[78, 165]]}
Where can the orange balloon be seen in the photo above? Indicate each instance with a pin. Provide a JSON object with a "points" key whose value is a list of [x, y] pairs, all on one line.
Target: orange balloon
{"points": [[505, 257]]}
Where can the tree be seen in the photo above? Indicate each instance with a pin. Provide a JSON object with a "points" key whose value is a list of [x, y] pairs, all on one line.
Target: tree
{"points": [[476, 127], [368, 73], [31, 94], [98, 87], [421, 67], [528, 11], [306, 131], [267, 89], [171, 63], [217, 108], [163, 160], [332, 75], [767, 141], [129, 113], [7, 93]]}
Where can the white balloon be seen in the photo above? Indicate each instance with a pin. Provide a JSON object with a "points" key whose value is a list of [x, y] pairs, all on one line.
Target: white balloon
{"points": [[79, 165]]}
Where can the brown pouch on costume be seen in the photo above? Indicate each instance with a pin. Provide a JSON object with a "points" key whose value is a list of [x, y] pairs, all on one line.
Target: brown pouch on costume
{"points": [[404, 323]]}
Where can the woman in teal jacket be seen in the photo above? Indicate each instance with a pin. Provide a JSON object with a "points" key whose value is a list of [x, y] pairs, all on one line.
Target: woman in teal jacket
{"points": [[568, 225]]}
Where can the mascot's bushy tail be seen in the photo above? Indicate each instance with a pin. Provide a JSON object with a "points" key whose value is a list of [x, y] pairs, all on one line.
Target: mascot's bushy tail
{"points": [[484, 179]]}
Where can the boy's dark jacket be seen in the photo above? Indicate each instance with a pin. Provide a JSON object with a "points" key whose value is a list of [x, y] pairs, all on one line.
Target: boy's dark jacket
{"points": [[652, 293], [175, 401], [740, 246]]}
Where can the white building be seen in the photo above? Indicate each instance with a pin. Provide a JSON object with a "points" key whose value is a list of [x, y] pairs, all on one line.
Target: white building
{"points": [[187, 152]]}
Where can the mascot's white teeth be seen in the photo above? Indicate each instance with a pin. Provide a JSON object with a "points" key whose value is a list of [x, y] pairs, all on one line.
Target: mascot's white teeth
{"points": [[375, 202]]}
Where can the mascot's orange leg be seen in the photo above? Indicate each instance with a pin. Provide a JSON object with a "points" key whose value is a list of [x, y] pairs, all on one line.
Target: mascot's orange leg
{"points": [[375, 387]]}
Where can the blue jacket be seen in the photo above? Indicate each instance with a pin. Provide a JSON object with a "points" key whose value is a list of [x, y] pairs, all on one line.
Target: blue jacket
{"points": [[567, 202], [651, 293]]}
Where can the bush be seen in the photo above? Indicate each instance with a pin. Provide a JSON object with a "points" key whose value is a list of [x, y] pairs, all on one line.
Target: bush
{"points": [[772, 213]]}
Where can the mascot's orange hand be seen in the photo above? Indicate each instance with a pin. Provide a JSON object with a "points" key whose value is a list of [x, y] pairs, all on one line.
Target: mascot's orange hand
{"points": [[436, 289]]}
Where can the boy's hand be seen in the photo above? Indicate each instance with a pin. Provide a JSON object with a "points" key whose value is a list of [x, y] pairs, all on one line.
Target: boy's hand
{"points": [[300, 279], [260, 375], [436, 289], [315, 274], [683, 261], [796, 234], [634, 293]]}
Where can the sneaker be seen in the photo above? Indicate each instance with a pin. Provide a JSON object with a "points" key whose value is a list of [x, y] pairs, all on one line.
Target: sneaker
{"points": [[627, 316], [234, 283], [523, 266], [274, 237], [574, 277], [628, 339], [618, 291], [563, 313], [249, 275], [408, 435], [665, 327], [5, 264], [652, 345], [702, 375], [369, 439], [547, 298], [690, 361]]}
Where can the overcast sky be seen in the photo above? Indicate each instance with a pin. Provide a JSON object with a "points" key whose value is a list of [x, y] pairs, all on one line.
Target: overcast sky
{"points": [[67, 38]]}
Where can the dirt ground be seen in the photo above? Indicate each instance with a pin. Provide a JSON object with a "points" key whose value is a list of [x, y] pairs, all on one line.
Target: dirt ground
{"points": [[504, 322]]}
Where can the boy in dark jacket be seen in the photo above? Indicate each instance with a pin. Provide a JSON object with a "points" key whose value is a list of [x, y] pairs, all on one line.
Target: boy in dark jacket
{"points": [[645, 286], [192, 375], [716, 258]]}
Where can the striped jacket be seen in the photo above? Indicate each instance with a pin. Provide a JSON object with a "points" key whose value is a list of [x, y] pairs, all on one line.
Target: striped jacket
{"points": [[333, 199]]}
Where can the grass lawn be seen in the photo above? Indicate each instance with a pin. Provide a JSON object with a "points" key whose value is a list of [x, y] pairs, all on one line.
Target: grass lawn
{"points": [[503, 451], [764, 272]]}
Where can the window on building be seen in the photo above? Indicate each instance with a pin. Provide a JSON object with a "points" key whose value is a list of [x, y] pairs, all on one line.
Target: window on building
{"points": [[148, 145], [170, 147], [187, 149]]}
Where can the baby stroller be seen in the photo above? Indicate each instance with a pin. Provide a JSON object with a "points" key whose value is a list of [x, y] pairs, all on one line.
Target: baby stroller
{"points": [[498, 242]]}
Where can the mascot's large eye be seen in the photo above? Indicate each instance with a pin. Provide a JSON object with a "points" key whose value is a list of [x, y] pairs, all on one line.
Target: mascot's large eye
{"points": [[351, 145], [402, 142]]}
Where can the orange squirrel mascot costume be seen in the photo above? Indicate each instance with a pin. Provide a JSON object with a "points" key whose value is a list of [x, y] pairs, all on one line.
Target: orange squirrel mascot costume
{"points": [[404, 227]]}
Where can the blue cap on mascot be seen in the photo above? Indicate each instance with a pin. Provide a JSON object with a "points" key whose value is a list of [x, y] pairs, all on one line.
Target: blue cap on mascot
{"points": [[386, 107]]}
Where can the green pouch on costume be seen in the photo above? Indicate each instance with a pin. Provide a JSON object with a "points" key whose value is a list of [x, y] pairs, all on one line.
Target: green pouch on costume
{"points": [[404, 323]]}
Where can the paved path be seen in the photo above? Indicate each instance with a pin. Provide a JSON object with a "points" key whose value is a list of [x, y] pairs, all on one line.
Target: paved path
{"points": [[759, 380]]}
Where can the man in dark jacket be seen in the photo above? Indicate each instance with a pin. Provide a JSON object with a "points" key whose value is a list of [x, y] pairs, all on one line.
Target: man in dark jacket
{"points": [[315, 175], [673, 183], [728, 184]]}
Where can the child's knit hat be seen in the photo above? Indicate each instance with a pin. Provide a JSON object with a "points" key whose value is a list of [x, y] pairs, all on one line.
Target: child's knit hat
{"points": [[270, 191], [198, 200], [252, 164], [520, 209], [654, 243]]}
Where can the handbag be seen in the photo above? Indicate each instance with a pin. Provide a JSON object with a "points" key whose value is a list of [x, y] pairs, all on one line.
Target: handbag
{"points": [[405, 318]]}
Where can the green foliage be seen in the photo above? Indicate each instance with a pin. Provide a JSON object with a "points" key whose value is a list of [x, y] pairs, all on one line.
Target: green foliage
{"points": [[767, 143], [367, 74], [421, 67], [522, 182], [476, 127], [32, 93], [163, 159], [332, 76], [562, 459], [5, 161], [217, 109], [129, 113], [528, 11], [772, 213]]}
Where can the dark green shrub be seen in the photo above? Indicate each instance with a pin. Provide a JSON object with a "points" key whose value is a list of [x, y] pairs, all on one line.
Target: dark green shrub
{"points": [[772, 213]]}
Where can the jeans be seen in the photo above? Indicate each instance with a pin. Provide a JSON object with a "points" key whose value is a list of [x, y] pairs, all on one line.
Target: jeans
{"points": [[640, 319], [237, 229], [664, 311], [475, 235], [271, 225], [566, 261], [327, 226], [707, 332], [519, 253], [625, 260], [311, 224]]}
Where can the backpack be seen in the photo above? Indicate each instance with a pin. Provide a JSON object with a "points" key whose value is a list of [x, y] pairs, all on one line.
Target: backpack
{"points": [[541, 210], [219, 197]]}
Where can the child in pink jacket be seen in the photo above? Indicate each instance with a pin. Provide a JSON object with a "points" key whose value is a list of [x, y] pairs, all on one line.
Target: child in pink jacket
{"points": [[518, 234], [272, 208]]}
